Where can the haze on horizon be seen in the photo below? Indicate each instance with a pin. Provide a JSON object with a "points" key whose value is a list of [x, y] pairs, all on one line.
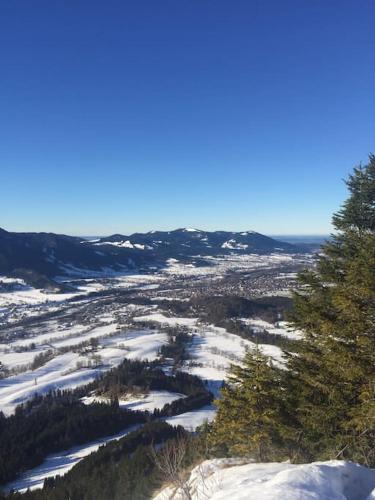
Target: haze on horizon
{"points": [[120, 117]]}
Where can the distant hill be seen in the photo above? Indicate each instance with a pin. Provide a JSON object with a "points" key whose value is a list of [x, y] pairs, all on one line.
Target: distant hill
{"points": [[192, 242], [39, 257]]}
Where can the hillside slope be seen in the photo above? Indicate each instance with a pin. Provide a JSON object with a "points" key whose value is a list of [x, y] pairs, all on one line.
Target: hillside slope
{"points": [[49, 254]]}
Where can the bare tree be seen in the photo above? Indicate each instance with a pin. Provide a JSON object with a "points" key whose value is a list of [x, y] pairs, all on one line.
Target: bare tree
{"points": [[169, 460]]}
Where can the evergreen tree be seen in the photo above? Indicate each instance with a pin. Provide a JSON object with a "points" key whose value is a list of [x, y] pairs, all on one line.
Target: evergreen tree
{"points": [[251, 415], [323, 405], [332, 376]]}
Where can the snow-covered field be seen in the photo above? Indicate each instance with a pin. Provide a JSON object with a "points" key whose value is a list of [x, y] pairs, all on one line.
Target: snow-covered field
{"points": [[64, 371], [220, 265], [259, 325], [213, 349], [165, 320], [223, 479], [193, 419], [59, 373], [146, 402], [26, 302]]}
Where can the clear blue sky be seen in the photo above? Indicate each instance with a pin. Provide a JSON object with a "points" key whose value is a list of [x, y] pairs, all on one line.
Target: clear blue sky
{"points": [[119, 115]]}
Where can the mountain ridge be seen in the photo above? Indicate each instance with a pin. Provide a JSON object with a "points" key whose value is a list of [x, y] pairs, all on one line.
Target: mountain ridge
{"points": [[186, 241], [36, 256]]}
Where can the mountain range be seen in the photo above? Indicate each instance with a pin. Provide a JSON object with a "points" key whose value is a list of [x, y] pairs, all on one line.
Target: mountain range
{"points": [[39, 257]]}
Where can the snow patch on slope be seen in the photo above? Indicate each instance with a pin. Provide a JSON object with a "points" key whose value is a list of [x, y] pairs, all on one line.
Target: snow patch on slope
{"points": [[234, 245], [126, 244]]}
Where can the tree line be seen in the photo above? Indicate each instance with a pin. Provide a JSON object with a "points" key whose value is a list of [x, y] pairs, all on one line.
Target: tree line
{"points": [[121, 470]]}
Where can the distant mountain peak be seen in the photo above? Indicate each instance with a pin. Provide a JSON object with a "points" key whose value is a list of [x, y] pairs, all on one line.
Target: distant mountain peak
{"points": [[186, 230]]}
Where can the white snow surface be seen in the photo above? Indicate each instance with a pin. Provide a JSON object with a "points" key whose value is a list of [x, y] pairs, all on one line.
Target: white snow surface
{"points": [[281, 328], [221, 479], [213, 349], [145, 402], [59, 373], [125, 244], [165, 320], [234, 245], [62, 371], [193, 419]]}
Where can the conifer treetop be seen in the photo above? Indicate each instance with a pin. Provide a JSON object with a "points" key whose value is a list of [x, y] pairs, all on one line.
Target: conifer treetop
{"points": [[358, 211]]}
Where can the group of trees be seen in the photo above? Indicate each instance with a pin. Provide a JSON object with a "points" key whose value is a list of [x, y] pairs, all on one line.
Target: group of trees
{"points": [[128, 469], [248, 332], [217, 309], [59, 420], [133, 376], [322, 403], [178, 339], [57, 423]]}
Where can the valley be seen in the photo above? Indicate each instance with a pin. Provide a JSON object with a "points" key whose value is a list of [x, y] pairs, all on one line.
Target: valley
{"points": [[190, 317]]}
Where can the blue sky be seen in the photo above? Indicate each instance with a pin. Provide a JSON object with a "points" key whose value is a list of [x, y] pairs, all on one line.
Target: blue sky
{"points": [[118, 116]]}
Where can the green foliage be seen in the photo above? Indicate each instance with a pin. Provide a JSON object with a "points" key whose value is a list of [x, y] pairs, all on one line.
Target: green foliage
{"points": [[358, 210], [323, 405], [59, 420], [333, 372], [120, 470], [252, 416], [56, 423]]}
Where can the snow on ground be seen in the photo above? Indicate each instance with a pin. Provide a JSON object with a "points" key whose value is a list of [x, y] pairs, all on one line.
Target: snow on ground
{"points": [[220, 265], [70, 336], [221, 479], [281, 328], [137, 281], [145, 402], [22, 301], [234, 245], [213, 349], [137, 344], [193, 419], [62, 371], [98, 332], [13, 360], [125, 244], [60, 463], [165, 320], [25, 294]]}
